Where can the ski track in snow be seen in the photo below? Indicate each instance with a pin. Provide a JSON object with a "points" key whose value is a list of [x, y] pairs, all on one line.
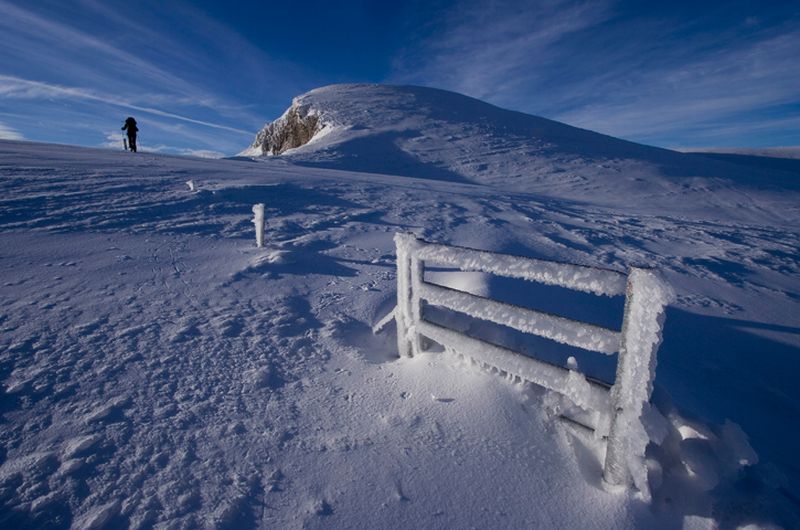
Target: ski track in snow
{"points": [[160, 371]]}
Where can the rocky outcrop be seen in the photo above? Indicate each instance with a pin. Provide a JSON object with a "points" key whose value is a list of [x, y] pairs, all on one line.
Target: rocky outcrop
{"points": [[295, 128]]}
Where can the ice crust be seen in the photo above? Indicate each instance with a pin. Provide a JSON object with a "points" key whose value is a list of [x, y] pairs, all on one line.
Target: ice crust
{"points": [[591, 397], [553, 327], [647, 297], [642, 335], [581, 278]]}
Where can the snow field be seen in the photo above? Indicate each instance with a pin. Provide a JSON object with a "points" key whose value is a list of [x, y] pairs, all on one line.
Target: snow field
{"points": [[159, 370]]}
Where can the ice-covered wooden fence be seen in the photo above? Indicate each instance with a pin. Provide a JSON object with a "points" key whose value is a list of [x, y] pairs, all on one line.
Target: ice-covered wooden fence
{"points": [[617, 410]]}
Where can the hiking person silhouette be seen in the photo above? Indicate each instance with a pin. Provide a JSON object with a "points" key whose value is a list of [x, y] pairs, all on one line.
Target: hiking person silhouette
{"points": [[130, 126]]}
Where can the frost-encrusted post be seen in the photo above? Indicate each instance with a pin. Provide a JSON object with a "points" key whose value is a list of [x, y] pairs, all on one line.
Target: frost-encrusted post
{"points": [[645, 302], [407, 338], [258, 220], [417, 272]]}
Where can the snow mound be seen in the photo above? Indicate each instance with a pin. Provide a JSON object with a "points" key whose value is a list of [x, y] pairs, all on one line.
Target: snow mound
{"points": [[435, 134]]}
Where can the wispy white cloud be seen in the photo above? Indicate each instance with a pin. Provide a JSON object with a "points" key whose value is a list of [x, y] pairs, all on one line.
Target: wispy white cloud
{"points": [[169, 132], [141, 57], [789, 151], [146, 53], [491, 50], [8, 133], [15, 87], [203, 153], [198, 153], [42, 41], [650, 77], [114, 140], [712, 92]]}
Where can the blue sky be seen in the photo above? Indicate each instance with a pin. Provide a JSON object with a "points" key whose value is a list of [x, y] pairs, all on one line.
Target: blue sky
{"points": [[202, 77]]}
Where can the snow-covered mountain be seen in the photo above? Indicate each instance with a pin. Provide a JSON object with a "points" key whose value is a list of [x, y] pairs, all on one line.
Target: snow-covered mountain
{"points": [[436, 134], [159, 371], [444, 130]]}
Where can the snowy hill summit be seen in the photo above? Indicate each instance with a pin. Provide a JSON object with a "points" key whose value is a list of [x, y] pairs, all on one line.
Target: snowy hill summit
{"points": [[435, 134]]}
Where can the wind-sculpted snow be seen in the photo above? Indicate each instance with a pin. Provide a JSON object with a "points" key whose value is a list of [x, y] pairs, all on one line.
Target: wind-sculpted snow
{"points": [[438, 135], [158, 370]]}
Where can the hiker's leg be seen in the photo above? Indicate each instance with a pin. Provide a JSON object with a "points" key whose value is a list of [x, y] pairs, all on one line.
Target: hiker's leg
{"points": [[132, 142]]}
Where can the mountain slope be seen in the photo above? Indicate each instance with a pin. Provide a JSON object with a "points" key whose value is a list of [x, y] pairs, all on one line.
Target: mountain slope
{"points": [[158, 370], [435, 134]]}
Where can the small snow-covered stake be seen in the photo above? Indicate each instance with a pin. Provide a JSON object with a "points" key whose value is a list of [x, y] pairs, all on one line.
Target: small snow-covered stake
{"points": [[572, 363], [258, 220], [191, 185]]}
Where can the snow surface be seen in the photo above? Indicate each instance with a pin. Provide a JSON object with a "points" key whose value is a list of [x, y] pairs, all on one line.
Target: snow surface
{"points": [[159, 370]]}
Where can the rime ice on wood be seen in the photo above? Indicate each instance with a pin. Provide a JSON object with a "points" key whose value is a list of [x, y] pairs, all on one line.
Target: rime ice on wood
{"points": [[258, 221], [619, 414], [578, 277], [584, 393], [553, 327], [403, 313], [647, 298]]}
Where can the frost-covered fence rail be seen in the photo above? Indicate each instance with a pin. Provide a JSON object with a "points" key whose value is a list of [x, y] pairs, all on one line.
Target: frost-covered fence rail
{"points": [[617, 411]]}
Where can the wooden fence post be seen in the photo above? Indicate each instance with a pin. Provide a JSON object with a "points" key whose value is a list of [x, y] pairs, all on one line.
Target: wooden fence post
{"points": [[403, 316], [418, 343], [640, 339]]}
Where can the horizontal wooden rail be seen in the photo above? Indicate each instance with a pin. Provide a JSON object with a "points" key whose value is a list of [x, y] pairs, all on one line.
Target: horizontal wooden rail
{"points": [[559, 329], [587, 279], [549, 376]]}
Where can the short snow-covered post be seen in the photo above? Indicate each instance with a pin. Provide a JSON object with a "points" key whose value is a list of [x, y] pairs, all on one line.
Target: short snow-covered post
{"points": [[645, 302], [191, 185], [408, 271], [258, 220]]}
